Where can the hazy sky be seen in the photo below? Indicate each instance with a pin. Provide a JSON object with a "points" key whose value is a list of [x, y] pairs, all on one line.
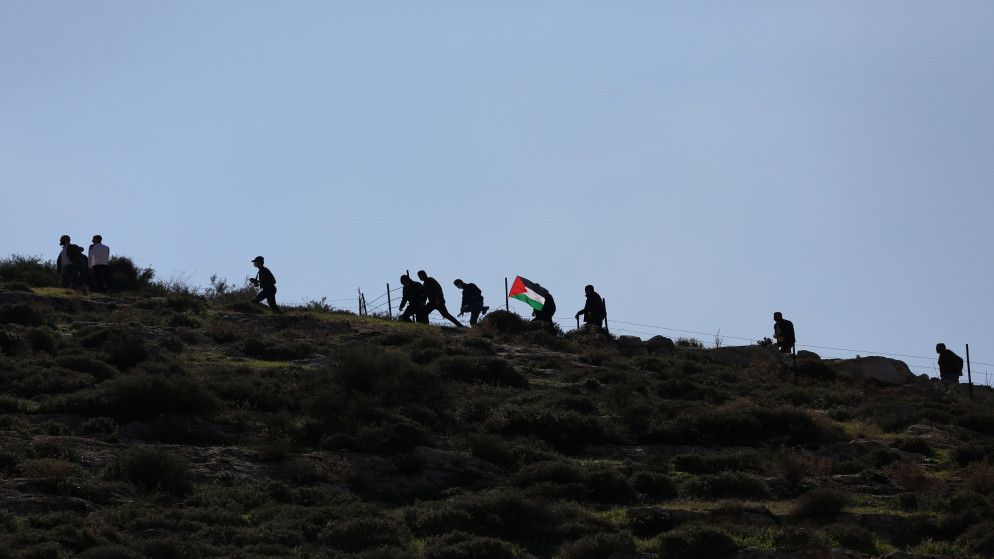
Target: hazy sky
{"points": [[702, 164]]}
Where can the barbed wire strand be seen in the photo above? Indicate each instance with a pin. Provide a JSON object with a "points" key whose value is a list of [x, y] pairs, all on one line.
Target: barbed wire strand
{"points": [[614, 322]]}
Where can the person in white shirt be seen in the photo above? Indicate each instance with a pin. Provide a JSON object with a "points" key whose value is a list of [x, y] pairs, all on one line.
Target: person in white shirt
{"points": [[99, 258]]}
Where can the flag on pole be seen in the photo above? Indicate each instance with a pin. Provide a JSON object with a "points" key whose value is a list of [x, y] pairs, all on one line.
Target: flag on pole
{"points": [[529, 292]]}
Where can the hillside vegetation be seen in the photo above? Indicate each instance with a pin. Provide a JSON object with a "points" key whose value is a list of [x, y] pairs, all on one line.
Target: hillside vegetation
{"points": [[164, 421]]}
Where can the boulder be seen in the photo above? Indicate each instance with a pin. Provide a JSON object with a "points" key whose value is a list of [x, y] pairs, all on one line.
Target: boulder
{"points": [[660, 345], [631, 346], [881, 369]]}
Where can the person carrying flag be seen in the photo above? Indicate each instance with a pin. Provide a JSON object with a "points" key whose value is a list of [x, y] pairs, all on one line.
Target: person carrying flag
{"points": [[536, 296]]}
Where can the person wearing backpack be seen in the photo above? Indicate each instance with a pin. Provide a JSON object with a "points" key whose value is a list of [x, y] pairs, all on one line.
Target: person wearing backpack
{"points": [[70, 264], [950, 364]]}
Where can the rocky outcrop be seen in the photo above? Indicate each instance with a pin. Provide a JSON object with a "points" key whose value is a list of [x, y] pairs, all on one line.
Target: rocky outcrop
{"points": [[881, 369]]}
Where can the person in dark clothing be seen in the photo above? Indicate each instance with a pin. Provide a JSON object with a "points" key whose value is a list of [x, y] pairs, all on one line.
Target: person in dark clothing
{"points": [[267, 281], [414, 298], [783, 333], [436, 300], [70, 265], [593, 311], [548, 308], [950, 364], [472, 301]]}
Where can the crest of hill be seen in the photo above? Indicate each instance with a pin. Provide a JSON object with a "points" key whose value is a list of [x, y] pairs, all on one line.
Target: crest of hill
{"points": [[513, 437]]}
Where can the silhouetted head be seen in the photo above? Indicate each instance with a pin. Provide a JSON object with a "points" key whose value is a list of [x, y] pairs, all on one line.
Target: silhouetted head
{"points": [[458, 283], [405, 279], [939, 348], [423, 275], [63, 240], [588, 289], [258, 261], [777, 316], [97, 239]]}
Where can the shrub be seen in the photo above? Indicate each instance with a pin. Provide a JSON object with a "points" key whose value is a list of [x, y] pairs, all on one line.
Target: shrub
{"points": [[23, 314], [695, 542], [726, 485], [698, 464], [278, 351], [152, 470], [16, 286], [853, 537], [40, 340], [30, 270], [654, 485], [820, 503], [648, 522], [982, 422], [125, 276], [598, 546], [486, 370], [972, 452], [143, 396], [916, 445], [99, 370], [462, 545], [122, 347]]}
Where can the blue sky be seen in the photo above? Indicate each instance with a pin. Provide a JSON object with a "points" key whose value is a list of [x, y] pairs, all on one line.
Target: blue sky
{"points": [[701, 164]]}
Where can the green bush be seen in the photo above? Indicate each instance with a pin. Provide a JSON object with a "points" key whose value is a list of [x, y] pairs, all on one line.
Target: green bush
{"points": [[40, 340], [915, 445], [99, 370], [820, 503], [126, 276], [270, 350], [598, 546], [654, 485], [699, 464], [726, 485], [30, 270], [153, 470], [143, 396], [23, 314], [463, 545], [695, 542], [485, 370], [122, 347]]}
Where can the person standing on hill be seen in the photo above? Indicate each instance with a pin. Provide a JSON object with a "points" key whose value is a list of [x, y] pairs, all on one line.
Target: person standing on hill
{"points": [[267, 281], [783, 333], [594, 311], [436, 300], [70, 264], [413, 295], [950, 364], [472, 301], [99, 261]]}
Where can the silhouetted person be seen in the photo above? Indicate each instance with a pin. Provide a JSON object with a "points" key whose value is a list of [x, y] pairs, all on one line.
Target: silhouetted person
{"points": [[413, 295], [548, 308], [593, 311], [99, 262], [267, 281], [472, 301], [950, 364], [783, 333], [436, 300], [70, 265]]}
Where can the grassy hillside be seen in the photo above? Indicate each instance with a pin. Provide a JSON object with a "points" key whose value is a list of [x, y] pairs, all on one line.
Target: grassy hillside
{"points": [[167, 422]]}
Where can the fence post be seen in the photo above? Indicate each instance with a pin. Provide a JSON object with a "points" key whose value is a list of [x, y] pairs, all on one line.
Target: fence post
{"points": [[389, 304], [507, 300], [969, 375], [360, 301], [604, 303]]}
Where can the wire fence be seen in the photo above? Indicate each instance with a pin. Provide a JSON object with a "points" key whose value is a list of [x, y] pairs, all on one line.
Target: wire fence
{"points": [[387, 304]]}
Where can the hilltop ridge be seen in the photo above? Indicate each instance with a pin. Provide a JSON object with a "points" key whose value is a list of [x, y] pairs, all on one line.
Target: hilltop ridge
{"points": [[184, 426]]}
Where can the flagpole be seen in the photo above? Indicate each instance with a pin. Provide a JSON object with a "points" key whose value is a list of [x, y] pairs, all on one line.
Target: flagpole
{"points": [[507, 299]]}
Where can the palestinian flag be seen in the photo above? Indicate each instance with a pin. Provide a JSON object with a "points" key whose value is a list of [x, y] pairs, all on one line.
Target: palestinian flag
{"points": [[529, 292]]}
